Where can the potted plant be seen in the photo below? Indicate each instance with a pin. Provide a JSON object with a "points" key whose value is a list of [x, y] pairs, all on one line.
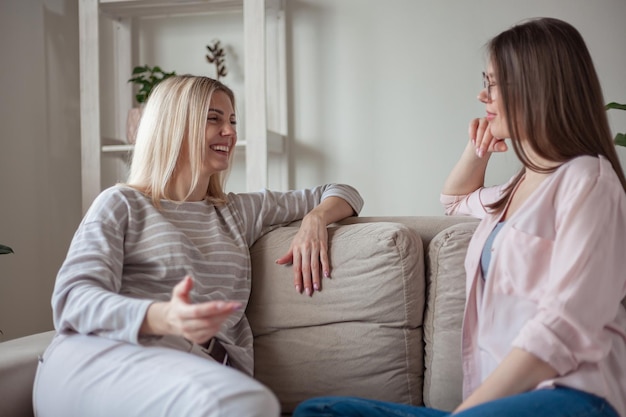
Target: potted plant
{"points": [[620, 138], [146, 78]]}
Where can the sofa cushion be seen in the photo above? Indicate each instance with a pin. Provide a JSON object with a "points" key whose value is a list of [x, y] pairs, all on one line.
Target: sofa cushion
{"points": [[18, 364], [445, 279], [361, 335]]}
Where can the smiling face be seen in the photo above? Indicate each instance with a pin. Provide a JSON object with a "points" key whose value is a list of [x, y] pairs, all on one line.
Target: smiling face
{"points": [[493, 105], [220, 134]]}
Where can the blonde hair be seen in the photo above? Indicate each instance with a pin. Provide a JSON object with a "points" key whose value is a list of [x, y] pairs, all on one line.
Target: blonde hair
{"points": [[174, 121]]}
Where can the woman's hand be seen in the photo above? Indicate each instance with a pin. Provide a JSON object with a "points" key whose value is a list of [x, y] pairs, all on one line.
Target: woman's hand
{"points": [[518, 372], [309, 249], [468, 174], [482, 139], [195, 322], [309, 254]]}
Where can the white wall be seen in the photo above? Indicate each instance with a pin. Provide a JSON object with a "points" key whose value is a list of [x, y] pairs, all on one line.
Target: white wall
{"points": [[380, 91], [383, 90], [40, 155]]}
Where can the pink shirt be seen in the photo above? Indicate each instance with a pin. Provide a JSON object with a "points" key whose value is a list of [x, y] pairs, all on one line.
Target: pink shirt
{"points": [[555, 282]]}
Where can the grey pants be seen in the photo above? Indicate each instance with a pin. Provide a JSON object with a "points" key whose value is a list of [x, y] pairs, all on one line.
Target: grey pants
{"points": [[89, 376]]}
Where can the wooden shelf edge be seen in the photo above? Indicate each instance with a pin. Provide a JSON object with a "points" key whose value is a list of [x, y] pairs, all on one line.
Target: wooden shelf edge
{"points": [[129, 147], [117, 148], [133, 8], [275, 144]]}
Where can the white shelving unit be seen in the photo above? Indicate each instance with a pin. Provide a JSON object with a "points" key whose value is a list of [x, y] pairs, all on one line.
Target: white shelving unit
{"points": [[264, 140]]}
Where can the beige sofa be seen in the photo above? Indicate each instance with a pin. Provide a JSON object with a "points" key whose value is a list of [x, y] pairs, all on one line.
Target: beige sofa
{"points": [[386, 326]]}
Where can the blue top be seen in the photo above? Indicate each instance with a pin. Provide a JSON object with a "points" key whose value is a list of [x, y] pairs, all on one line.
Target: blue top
{"points": [[485, 257]]}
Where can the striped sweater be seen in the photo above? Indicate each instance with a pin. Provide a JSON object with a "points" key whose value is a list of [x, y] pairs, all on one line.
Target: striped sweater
{"points": [[127, 254]]}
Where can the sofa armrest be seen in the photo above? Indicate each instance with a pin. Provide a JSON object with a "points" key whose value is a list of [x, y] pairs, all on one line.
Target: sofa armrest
{"points": [[18, 364]]}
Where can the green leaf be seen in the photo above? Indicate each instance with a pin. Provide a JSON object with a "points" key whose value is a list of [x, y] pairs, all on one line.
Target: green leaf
{"points": [[140, 69], [620, 139], [616, 106], [5, 249], [146, 78]]}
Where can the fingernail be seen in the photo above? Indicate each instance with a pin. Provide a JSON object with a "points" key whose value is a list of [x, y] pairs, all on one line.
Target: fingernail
{"points": [[308, 291], [316, 286], [479, 153], [298, 289], [326, 274]]}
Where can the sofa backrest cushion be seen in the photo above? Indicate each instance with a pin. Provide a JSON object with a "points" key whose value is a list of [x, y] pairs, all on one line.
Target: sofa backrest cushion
{"points": [[445, 278], [361, 335]]}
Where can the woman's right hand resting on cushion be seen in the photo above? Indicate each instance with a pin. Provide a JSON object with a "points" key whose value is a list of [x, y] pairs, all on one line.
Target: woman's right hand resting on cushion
{"points": [[195, 322]]}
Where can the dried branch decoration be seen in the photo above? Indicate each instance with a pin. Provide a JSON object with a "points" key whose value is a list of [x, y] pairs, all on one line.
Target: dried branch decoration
{"points": [[216, 56]]}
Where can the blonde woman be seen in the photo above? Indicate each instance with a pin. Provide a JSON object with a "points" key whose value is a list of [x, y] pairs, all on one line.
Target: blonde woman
{"points": [[149, 305]]}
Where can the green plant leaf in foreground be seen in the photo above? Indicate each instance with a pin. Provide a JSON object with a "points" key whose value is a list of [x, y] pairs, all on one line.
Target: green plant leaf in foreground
{"points": [[5, 249], [616, 106], [620, 139]]}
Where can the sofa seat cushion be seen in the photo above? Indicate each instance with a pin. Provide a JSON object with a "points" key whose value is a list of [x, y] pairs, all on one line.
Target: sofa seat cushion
{"points": [[361, 335]]}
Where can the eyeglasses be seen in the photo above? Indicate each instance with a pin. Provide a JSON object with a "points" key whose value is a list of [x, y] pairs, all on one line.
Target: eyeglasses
{"points": [[487, 85]]}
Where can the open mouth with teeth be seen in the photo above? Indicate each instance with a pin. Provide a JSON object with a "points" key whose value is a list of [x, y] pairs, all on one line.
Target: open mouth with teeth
{"points": [[223, 149]]}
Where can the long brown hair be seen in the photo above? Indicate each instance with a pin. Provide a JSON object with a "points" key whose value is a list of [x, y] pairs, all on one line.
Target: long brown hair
{"points": [[551, 96]]}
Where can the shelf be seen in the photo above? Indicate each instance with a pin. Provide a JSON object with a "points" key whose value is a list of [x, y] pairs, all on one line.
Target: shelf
{"points": [[147, 8], [276, 147], [117, 148], [265, 147], [275, 144], [152, 8]]}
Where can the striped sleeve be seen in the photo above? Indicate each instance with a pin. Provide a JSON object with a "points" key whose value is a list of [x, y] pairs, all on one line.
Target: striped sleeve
{"points": [[85, 297], [262, 210]]}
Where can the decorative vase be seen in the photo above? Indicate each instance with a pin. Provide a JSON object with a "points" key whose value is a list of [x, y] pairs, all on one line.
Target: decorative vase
{"points": [[132, 122]]}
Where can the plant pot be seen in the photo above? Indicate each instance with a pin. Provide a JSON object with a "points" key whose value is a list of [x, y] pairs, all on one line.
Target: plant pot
{"points": [[132, 122]]}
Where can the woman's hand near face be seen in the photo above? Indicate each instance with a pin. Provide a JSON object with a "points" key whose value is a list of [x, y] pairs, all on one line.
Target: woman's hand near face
{"points": [[309, 254], [468, 174], [482, 139], [197, 323]]}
